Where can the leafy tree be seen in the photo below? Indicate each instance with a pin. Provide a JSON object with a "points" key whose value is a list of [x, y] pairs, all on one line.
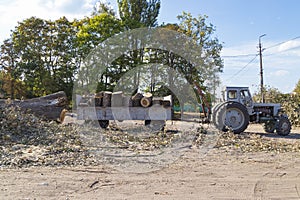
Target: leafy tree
{"points": [[47, 56], [92, 31], [136, 14], [203, 33], [28, 39], [63, 55], [205, 73], [100, 26], [139, 13], [10, 69], [297, 88], [271, 95], [101, 7]]}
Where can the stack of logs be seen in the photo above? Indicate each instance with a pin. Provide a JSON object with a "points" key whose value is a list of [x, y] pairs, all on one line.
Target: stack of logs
{"points": [[118, 99]]}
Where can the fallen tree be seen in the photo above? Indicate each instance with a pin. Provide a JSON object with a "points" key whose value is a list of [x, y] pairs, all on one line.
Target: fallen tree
{"points": [[48, 107]]}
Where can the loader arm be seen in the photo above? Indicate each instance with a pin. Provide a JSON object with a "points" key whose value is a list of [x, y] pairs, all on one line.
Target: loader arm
{"points": [[204, 103]]}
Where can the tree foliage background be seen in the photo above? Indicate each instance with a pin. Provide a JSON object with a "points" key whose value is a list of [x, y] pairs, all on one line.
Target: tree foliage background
{"points": [[289, 102], [44, 56]]}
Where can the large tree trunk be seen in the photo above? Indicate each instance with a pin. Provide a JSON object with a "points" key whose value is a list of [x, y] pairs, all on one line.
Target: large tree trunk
{"points": [[48, 107]]}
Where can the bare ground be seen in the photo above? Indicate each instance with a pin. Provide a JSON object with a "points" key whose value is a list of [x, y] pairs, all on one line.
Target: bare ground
{"points": [[220, 174]]}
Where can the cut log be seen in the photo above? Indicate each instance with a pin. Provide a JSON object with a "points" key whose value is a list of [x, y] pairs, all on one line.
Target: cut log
{"points": [[127, 101], [48, 107], [98, 99], [106, 101], [136, 100], [117, 99], [146, 100]]}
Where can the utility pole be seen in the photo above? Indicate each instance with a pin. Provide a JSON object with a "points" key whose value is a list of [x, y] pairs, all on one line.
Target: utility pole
{"points": [[261, 70]]}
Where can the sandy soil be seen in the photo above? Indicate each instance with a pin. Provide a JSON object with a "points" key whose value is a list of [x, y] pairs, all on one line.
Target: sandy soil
{"points": [[217, 175]]}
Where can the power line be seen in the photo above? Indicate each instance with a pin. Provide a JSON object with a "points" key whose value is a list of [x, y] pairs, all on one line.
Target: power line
{"points": [[247, 55], [244, 67], [271, 54], [275, 45], [292, 48], [237, 56], [280, 43]]}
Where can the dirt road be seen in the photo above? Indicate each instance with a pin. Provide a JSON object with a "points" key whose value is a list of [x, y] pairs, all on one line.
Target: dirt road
{"points": [[220, 174]]}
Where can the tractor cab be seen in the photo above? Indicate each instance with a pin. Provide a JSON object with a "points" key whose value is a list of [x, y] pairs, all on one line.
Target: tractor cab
{"points": [[239, 94]]}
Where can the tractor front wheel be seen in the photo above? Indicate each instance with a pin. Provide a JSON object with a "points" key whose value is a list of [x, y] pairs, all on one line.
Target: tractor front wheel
{"points": [[284, 126], [270, 126]]}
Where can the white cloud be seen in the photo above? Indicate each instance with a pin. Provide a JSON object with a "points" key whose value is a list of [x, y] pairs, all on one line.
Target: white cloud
{"points": [[289, 48], [242, 49], [280, 73], [68, 6], [289, 45], [15, 11]]}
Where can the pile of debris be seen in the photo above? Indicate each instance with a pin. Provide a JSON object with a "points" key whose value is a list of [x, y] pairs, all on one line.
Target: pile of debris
{"points": [[255, 142], [27, 140]]}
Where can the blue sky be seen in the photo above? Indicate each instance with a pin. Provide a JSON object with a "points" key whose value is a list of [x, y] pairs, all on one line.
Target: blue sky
{"points": [[239, 20], [238, 23]]}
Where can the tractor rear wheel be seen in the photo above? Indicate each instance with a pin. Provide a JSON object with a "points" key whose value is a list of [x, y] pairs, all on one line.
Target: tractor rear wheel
{"points": [[284, 126], [233, 116], [215, 111]]}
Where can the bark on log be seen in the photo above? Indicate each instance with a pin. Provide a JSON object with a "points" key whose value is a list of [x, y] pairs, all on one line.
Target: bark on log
{"points": [[48, 107]]}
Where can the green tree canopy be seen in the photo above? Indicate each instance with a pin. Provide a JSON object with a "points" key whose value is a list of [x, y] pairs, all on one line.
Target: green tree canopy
{"points": [[10, 69], [203, 33], [47, 57], [297, 88], [139, 13]]}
